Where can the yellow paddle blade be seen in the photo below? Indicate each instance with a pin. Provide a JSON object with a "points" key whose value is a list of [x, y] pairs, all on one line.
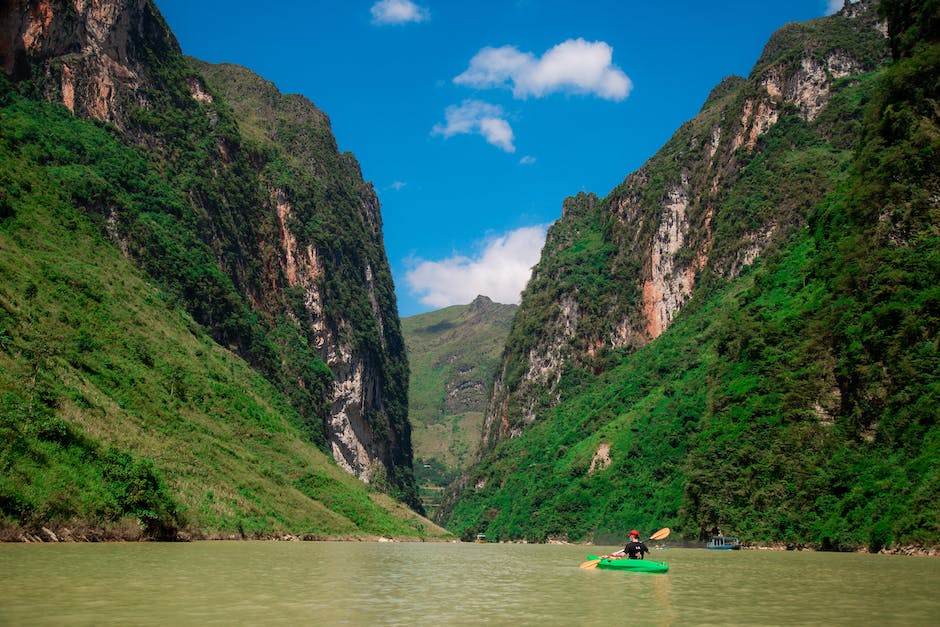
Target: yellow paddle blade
{"points": [[662, 534], [590, 564]]}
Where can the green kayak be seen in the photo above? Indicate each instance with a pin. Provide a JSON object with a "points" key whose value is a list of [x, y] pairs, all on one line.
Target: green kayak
{"points": [[637, 566]]}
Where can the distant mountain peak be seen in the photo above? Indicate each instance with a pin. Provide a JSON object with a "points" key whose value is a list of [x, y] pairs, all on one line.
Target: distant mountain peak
{"points": [[481, 303]]}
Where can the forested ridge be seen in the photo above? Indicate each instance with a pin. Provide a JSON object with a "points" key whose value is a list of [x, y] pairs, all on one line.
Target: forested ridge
{"points": [[793, 402], [163, 373]]}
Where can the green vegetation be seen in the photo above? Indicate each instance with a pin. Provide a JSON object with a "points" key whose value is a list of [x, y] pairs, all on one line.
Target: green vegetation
{"points": [[795, 403], [197, 210], [290, 142], [453, 354], [120, 415], [160, 368]]}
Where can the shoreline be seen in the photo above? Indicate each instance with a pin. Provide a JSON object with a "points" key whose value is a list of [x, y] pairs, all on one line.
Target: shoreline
{"points": [[133, 533]]}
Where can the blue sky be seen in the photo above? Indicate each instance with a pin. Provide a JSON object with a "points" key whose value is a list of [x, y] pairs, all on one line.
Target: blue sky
{"points": [[474, 119]]}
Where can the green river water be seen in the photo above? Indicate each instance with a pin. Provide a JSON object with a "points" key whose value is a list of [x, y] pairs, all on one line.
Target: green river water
{"points": [[353, 583]]}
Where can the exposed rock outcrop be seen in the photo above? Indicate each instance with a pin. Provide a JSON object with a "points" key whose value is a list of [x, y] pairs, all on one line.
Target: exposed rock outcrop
{"points": [[349, 434], [90, 55], [662, 222]]}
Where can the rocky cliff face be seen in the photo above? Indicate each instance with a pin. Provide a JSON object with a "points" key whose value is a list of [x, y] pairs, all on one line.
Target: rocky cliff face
{"points": [[90, 55], [356, 391], [365, 427], [304, 253], [697, 212]]}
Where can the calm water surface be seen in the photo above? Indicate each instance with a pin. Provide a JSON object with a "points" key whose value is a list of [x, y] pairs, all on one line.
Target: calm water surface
{"points": [[349, 583]]}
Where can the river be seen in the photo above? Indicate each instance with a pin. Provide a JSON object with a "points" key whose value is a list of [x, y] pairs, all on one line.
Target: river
{"points": [[355, 583]]}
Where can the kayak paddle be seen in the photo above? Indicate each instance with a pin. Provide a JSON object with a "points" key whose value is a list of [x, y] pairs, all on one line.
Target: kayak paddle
{"points": [[662, 534]]}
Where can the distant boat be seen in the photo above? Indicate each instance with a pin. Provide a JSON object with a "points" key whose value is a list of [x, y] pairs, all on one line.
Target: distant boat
{"points": [[724, 543], [481, 538]]}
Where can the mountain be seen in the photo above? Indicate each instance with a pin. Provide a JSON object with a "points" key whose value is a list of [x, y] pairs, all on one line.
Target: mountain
{"points": [[453, 354], [199, 321], [743, 334]]}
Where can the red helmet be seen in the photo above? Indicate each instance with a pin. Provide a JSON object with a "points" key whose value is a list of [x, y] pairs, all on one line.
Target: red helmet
{"points": [[635, 533]]}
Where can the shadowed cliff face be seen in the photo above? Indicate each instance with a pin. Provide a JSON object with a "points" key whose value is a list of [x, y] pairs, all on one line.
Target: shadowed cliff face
{"points": [[681, 221], [303, 255]]}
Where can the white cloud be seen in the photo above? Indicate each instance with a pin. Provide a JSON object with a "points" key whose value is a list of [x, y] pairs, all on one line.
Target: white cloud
{"points": [[573, 66], [398, 12], [500, 271], [397, 185], [527, 160], [480, 118], [497, 132]]}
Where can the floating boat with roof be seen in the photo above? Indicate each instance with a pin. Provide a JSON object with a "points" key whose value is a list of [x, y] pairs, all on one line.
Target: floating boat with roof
{"points": [[724, 543]]}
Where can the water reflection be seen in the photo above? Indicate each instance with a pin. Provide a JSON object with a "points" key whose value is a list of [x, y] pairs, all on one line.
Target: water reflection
{"points": [[268, 583]]}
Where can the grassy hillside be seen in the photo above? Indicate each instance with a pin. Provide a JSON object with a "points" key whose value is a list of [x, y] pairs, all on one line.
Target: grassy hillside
{"points": [[251, 219], [453, 354], [120, 416], [796, 403]]}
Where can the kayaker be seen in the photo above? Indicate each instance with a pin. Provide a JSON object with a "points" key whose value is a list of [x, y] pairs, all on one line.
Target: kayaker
{"points": [[635, 549]]}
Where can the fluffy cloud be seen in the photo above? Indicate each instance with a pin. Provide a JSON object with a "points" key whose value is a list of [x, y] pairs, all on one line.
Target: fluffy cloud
{"points": [[477, 117], [398, 12], [500, 271], [573, 66]]}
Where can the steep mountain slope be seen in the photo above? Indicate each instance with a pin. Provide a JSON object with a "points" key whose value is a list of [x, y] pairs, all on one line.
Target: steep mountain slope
{"points": [[746, 330], [728, 185], [119, 414], [326, 273], [453, 354], [246, 216]]}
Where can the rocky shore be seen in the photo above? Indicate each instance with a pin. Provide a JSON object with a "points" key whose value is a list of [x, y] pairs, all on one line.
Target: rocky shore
{"points": [[135, 533]]}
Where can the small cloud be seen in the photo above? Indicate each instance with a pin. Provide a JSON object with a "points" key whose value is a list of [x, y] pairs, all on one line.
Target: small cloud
{"points": [[398, 12], [573, 66], [497, 132], [527, 160], [500, 271], [397, 185], [479, 118]]}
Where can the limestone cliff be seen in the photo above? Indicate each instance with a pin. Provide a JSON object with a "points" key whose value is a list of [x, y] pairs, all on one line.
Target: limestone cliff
{"points": [[90, 55], [615, 272], [306, 294]]}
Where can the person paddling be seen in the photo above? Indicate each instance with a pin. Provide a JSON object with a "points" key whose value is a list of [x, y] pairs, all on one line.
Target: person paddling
{"points": [[635, 549]]}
